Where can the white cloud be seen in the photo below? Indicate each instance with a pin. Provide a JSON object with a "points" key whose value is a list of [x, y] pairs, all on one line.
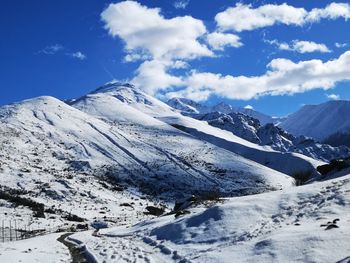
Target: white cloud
{"points": [[244, 17], [145, 31], [56, 50], [51, 50], [181, 4], [164, 44], [282, 77], [178, 64], [133, 57], [153, 76], [78, 55], [309, 46], [300, 46], [331, 11], [219, 40], [340, 45], [333, 96], [249, 107]]}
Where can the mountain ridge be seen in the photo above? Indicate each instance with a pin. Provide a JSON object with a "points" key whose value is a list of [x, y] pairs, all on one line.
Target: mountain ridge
{"points": [[188, 107]]}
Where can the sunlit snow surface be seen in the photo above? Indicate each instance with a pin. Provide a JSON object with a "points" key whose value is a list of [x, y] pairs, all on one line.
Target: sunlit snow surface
{"points": [[281, 226]]}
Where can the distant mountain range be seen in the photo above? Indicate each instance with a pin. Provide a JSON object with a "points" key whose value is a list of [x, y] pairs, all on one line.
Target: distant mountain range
{"points": [[327, 122], [187, 106]]}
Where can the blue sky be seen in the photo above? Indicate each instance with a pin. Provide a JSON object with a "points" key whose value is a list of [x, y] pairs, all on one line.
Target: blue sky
{"points": [[67, 48]]}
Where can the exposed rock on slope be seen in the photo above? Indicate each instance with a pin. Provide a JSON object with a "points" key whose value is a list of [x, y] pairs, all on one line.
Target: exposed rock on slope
{"points": [[270, 135]]}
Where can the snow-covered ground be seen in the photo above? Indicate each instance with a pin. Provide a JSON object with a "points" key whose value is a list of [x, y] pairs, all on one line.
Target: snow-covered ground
{"points": [[294, 225], [38, 249]]}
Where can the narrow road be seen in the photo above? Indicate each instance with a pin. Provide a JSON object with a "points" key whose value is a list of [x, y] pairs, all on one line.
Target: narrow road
{"points": [[76, 254]]}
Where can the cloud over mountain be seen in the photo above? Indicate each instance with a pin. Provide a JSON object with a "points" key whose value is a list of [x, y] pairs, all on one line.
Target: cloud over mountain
{"points": [[283, 76]]}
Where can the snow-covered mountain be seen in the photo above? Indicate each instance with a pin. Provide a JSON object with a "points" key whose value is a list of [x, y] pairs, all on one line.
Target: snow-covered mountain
{"points": [[140, 149], [319, 121], [250, 129], [188, 107], [110, 148], [140, 101], [222, 107], [113, 154]]}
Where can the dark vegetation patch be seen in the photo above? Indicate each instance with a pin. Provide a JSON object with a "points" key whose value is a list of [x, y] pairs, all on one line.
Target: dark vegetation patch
{"points": [[301, 177], [16, 197], [155, 211], [334, 166], [206, 198], [13, 196]]}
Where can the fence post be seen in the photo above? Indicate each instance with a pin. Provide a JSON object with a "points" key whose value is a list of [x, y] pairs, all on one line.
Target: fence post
{"points": [[16, 229], [10, 231], [3, 232]]}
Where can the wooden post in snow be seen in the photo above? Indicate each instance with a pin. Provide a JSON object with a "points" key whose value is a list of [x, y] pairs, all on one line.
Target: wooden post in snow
{"points": [[3, 231], [10, 231]]}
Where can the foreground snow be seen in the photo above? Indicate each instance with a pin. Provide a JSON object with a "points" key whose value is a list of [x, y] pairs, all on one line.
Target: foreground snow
{"points": [[39, 249], [282, 226]]}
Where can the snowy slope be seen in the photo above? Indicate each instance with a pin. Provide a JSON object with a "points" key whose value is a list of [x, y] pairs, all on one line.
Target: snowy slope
{"points": [[319, 121], [285, 162], [39, 249], [121, 99], [288, 163], [134, 97], [67, 158], [284, 226]]}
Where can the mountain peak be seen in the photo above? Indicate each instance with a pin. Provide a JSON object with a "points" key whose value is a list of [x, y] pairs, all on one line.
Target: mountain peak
{"points": [[187, 105], [111, 86], [223, 107]]}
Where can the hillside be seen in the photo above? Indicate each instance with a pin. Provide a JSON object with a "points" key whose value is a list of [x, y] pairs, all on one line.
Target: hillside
{"points": [[287, 163], [304, 224], [103, 157]]}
